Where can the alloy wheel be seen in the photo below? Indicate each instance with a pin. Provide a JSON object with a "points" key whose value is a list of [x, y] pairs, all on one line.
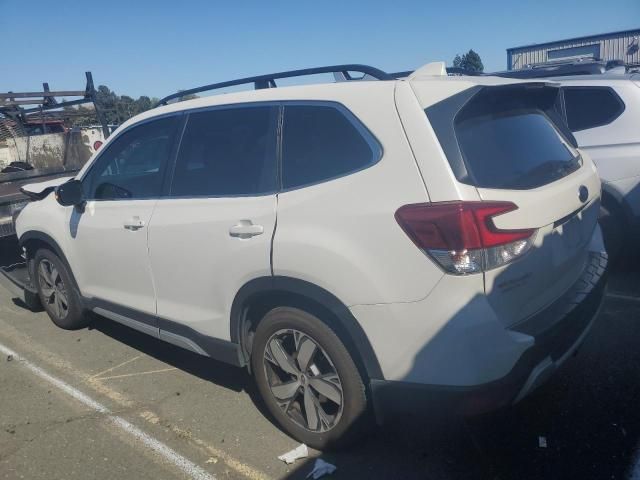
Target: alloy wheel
{"points": [[303, 380], [53, 288]]}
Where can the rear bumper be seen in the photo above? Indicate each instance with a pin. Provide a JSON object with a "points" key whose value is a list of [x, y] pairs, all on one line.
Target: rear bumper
{"points": [[558, 332]]}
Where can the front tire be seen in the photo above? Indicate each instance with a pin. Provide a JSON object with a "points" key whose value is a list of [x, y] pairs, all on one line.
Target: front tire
{"points": [[307, 379], [56, 290]]}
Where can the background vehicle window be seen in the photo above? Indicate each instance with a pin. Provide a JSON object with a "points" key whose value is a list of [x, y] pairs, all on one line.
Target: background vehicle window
{"points": [[320, 143], [133, 165], [227, 152], [589, 107]]}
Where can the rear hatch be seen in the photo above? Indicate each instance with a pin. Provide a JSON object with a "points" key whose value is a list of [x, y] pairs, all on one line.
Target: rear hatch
{"points": [[509, 143]]}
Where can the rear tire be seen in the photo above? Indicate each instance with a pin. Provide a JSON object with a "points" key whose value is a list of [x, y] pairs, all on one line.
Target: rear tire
{"points": [[319, 397], [57, 292]]}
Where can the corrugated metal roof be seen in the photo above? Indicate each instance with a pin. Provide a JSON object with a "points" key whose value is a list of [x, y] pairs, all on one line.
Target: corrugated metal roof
{"points": [[585, 38]]}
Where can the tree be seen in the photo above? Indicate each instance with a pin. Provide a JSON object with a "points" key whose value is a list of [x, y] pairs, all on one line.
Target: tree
{"points": [[469, 61], [116, 108], [143, 104], [107, 102], [119, 108]]}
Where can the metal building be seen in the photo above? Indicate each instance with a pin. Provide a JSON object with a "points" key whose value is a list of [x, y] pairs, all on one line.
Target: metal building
{"points": [[624, 45]]}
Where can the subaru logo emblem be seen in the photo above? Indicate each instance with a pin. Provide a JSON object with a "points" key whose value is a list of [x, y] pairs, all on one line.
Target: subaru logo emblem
{"points": [[583, 193]]}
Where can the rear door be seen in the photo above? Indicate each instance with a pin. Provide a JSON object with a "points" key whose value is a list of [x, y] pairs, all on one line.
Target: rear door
{"points": [[512, 147], [213, 231]]}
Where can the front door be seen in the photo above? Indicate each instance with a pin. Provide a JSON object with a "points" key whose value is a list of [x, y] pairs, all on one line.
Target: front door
{"points": [[110, 234]]}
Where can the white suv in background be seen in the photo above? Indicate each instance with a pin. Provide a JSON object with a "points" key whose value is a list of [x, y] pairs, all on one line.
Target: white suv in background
{"points": [[603, 112], [348, 242]]}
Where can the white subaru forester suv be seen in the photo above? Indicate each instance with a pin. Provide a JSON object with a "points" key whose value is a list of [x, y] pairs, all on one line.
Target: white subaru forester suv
{"points": [[349, 242]]}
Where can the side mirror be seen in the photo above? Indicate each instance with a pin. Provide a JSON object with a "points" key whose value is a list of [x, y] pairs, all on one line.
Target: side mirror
{"points": [[70, 193]]}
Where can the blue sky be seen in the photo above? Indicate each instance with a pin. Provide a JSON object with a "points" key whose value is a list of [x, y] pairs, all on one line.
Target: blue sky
{"points": [[140, 47]]}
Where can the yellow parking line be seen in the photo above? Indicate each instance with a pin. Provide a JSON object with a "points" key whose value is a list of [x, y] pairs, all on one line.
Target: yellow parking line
{"points": [[117, 366], [138, 373], [242, 468], [28, 344], [182, 463]]}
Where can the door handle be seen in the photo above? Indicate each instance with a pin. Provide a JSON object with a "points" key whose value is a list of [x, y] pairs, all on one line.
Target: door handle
{"points": [[134, 224], [245, 229]]}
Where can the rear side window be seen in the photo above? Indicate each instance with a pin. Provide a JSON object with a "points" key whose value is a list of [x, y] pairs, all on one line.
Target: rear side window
{"points": [[504, 137], [322, 142], [227, 152], [590, 107]]}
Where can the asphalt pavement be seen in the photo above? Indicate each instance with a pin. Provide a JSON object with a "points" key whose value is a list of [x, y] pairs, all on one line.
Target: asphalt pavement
{"points": [[107, 402]]}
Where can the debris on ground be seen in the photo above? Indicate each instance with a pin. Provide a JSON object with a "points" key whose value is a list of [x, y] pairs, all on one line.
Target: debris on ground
{"points": [[320, 469], [9, 358], [301, 451], [211, 460], [542, 442]]}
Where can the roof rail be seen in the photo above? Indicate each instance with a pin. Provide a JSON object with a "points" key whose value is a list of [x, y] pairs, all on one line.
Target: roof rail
{"points": [[269, 81], [403, 74], [591, 67]]}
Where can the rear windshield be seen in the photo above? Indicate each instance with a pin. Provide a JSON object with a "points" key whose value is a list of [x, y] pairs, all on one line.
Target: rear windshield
{"points": [[508, 137], [514, 150]]}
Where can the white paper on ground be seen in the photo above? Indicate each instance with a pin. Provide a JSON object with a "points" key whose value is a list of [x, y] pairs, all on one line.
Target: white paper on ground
{"points": [[301, 451], [321, 468]]}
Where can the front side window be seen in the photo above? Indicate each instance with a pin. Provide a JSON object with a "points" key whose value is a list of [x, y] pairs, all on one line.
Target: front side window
{"points": [[227, 152], [133, 165], [321, 143], [590, 107]]}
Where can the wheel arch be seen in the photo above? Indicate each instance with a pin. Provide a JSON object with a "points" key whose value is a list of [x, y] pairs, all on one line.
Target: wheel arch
{"points": [[34, 239], [262, 294]]}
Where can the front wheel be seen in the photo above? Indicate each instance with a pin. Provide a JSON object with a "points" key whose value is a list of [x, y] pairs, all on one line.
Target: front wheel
{"points": [[307, 379], [57, 292]]}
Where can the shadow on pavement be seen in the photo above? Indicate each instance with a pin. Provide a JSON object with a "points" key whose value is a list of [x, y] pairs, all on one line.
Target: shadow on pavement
{"points": [[585, 423], [588, 414], [221, 374], [205, 368]]}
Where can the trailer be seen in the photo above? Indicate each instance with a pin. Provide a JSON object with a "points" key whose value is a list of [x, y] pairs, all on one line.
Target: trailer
{"points": [[38, 142]]}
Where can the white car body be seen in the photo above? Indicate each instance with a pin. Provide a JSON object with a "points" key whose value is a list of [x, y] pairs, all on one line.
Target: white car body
{"points": [[614, 145], [177, 269]]}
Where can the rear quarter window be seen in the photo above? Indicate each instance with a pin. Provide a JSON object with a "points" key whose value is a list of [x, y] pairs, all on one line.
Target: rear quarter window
{"points": [[590, 107], [323, 142]]}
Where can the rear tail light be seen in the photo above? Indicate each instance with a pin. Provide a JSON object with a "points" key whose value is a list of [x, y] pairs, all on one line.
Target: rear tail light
{"points": [[461, 236]]}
